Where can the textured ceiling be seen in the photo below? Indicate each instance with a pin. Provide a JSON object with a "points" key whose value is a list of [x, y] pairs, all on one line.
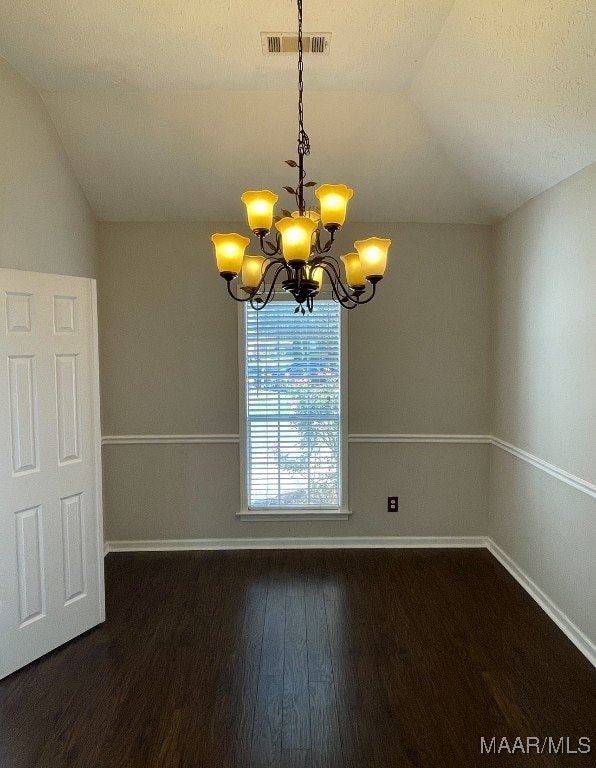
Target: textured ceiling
{"points": [[433, 110]]}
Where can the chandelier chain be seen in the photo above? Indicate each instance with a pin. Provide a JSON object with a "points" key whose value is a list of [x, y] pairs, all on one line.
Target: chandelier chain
{"points": [[303, 140]]}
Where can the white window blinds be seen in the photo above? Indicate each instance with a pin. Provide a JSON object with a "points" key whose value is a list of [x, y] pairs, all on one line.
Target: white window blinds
{"points": [[293, 429]]}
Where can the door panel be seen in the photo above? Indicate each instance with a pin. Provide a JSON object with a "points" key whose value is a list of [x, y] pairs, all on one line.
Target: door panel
{"points": [[51, 535], [67, 403], [30, 565], [22, 404]]}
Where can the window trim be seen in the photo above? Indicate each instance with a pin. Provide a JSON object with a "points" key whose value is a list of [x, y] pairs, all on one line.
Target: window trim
{"points": [[277, 514]]}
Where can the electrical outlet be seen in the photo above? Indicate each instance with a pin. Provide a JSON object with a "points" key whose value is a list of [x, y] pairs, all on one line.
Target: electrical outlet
{"points": [[392, 502]]}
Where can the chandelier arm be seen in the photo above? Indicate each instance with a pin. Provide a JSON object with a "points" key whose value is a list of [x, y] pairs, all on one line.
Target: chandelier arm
{"points": [[344, 298], [356, 294], [360, 301], [260, 288], [334, 275], [318, 260], [347, 301], [271, 263], [262, 303], [274, 252], [317, 241], [249, 297], [327, 247]]}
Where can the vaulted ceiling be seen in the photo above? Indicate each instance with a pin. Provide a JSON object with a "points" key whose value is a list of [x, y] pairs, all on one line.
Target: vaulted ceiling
{"points": [[433, 110]]}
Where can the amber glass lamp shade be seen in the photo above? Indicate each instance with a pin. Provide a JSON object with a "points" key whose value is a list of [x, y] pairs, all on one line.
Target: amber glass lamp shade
{"points": [[229, 252], [310, 215], [296, 236], [373, 256], [316, 275], [354, 274], [259, 209], [252, 271], [334, 200]]}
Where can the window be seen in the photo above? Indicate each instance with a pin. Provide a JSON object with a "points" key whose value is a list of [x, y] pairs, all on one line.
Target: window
{"points": [[293, 407]]}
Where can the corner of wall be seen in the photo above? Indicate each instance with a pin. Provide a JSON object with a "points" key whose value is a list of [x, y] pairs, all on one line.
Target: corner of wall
{"points": [[541, 513]]}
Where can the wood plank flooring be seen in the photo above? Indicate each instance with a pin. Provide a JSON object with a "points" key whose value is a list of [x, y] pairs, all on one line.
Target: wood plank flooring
{"points": [[303, 659]]}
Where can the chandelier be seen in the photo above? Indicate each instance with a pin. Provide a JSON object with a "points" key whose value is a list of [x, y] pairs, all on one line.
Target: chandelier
{"points": [[298, 256]]}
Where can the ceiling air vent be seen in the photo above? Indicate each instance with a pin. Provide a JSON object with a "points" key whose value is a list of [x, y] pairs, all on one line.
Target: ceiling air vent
{"points": [[287, 42], [273, 44], [319, 44]]}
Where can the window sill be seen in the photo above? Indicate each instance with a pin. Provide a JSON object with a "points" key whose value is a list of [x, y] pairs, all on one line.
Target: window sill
{"points": [[283, 515]]}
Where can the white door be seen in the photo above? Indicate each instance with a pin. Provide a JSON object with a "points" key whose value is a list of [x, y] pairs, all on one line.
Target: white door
{"points": [[51, 537]]}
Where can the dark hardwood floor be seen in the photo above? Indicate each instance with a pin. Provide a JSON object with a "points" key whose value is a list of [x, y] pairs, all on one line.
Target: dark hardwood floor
{"points": [[308, 659]]}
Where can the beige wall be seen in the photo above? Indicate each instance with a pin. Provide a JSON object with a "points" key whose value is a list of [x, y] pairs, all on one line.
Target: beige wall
{"points": [[46, 224], [419, 353], [168, 334], [418, 363], [544, 369], [544, 392], [192, 492]]}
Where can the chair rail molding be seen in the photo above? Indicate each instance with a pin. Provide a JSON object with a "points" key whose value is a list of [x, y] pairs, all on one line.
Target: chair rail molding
{"points": [[422, 438], [566, 477], [574, 481], [234, 438], [168, 439]]}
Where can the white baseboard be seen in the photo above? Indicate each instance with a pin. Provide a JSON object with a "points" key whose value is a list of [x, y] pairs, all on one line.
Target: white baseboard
{"points": [[577, 637], [330, 542]]}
